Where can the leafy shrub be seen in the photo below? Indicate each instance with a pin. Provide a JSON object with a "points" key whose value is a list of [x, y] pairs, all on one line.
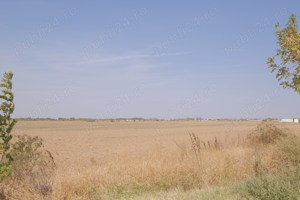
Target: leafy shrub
{"points": [[264, 188], [25, 165], [286, 184], [5, 170], [281, 187], [6, 124], [33, 166]]}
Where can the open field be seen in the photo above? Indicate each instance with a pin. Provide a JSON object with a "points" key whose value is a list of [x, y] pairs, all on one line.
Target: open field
{"points": [[76, 143], [152, 160]]}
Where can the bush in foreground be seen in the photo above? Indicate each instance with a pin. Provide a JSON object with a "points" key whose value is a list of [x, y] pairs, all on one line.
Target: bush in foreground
{"points": [[286, 184], [33, 170], [26, 169]]}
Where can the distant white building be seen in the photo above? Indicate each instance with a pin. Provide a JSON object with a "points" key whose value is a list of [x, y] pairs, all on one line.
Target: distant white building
{"points": [[290, 120]]}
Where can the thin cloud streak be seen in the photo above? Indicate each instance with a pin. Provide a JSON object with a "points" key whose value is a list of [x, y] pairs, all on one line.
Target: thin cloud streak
{"points": [[115, 59]]}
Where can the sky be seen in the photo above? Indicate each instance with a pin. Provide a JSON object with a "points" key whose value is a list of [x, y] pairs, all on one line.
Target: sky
{"points": [[151, 59]]}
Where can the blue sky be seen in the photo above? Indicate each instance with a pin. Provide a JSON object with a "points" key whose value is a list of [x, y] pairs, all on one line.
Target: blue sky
{"points": [[165, 59]]}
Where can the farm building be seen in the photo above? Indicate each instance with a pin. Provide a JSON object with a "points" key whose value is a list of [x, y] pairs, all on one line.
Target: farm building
{"points": [[294, 120]]}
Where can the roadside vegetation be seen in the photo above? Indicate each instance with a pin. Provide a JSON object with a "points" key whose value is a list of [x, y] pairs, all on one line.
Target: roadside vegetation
{"points": [[26, 168], [264, 165]]}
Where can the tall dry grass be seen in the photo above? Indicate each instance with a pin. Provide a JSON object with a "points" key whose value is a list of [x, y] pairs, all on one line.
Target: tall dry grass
{"points": [[198, 164], [195, 165]]}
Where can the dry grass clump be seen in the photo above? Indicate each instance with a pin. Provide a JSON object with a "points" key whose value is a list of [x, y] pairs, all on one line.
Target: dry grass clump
{"points": [[33, 171], [266, 133], [282, 185], [160, 170], [271, 145]]}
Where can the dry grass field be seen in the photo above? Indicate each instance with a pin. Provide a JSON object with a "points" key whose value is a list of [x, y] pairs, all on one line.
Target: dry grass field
{"points": [[139, 160], [79, 144]]}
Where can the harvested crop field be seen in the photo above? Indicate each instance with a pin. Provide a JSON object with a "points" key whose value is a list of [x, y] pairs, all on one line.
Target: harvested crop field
{"points": [[142, 159], [80, 143]]}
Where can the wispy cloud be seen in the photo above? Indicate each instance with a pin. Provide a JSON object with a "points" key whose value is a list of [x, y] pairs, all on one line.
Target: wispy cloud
{"points": [[116, 59]]}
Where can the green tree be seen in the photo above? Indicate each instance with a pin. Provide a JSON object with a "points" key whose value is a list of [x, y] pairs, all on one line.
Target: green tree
{"points": [[288, 67], [6, 123]]}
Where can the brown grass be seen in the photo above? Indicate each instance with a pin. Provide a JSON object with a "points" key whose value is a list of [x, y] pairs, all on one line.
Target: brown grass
{"points": [[130, 157], [266, 133]]}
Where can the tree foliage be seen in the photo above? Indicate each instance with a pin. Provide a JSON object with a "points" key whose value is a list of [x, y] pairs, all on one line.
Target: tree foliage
{"points": [[288, 68], [6, 122]]}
